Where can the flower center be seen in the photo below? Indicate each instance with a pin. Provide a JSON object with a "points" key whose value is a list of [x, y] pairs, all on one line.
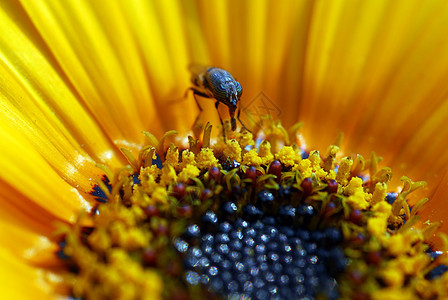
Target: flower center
{"points": [[262, 252], [249, 217]]}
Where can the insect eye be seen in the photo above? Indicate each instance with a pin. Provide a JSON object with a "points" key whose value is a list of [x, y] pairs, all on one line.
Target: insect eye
{"points": [[239, 89]]}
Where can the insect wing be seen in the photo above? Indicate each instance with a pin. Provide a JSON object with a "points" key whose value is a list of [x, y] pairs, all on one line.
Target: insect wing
{"points": [[197, 69], [198, 73]]}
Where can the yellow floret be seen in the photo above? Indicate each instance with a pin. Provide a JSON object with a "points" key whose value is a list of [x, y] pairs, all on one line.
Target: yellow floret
{"points": [[129, 238], [275, 131], [376, 226], [426, 289], [117, 231], [382, 208], [397, 244], [188, 172], [383, 175], [331, 157], [343, 173], [219, 146], [264, 151], [168, 175], [413, 265], [251, 158], [80, 253], [245, 138], [187, 159], [311, 165], [99, 240], [172, 156], [393, 294], [357, 199], [139, 197], [304, 167], [331, 175], [321, 173], [380, 193], [128, 279], [315, 159], [160, 197], [152, 286], [138, 213], [233, 150], [392, 277], [108, 214], [288, 156], [148, 177], [134, 238], [402, 243], [152, 170], [205, 159], [353, 186]]}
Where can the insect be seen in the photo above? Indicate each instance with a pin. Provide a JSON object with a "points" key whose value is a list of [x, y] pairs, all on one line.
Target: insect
{"points": [[211, 82]]}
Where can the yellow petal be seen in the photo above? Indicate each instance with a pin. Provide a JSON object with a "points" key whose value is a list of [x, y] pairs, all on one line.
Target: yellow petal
{"points": [[375, 70], [28, 281], [29, 183], [110, 59], [25, 283], [435, 209], [39, 107]]}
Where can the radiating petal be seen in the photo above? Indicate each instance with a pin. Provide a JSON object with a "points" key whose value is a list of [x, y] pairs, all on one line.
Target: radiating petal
{"points": [[29, 281], [378, 80], [159, 29], [435, 210], [39, 106], [21, 165], [111, 58], [374, 70], [25, 284]]}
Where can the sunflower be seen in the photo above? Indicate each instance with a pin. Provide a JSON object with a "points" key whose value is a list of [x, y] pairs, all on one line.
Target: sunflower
{"points": [[80, 81]]}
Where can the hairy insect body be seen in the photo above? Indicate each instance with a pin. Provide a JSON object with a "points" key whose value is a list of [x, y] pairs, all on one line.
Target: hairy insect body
{"points": [[219, 84], [224, 87]]}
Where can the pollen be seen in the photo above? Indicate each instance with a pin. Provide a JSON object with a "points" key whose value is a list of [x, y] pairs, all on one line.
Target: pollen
{"points": [[252, 216], [245, 139], [233, 150], [188, 158], [380, 193], [169, 175], [172, 156], [288, 156], [189, 171], [393, 276], [343, 174], [376, 226], [264, 151], [251, 158], [205, 159], [160, 197], [357, 197], [304, 167]]}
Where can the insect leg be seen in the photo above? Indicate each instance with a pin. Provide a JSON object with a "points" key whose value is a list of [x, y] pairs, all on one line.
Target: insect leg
{"points": [[220, 119], [233, 122], [242, 124], [195, 94]]}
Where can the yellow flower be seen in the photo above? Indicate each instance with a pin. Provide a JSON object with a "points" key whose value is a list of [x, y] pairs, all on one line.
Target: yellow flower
{"points": [[79, 80]]}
